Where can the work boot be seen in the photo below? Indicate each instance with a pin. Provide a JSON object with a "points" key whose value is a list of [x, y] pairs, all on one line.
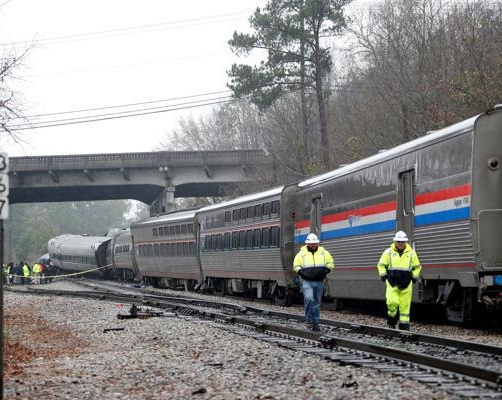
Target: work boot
{"points": [[309, 325], [404, 327], [391, 322], [316, 328]]}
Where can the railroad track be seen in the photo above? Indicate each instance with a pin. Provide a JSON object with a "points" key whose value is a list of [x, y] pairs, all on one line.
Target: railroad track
{"points": [[466, 369]]}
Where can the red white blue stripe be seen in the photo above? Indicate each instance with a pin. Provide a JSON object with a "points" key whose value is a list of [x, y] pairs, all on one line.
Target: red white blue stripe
{"points": [[436, 207]]}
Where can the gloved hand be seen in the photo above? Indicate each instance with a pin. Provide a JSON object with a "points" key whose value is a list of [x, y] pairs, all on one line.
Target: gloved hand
{"points": [[383, 278], [414, 280], [300, 272]]}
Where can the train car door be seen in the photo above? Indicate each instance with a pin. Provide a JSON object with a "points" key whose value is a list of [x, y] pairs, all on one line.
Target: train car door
{"points": [[406, 202], [315, 214]]}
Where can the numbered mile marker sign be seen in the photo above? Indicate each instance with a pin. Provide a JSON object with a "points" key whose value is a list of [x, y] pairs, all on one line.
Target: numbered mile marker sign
{"points": [[4, 186]]}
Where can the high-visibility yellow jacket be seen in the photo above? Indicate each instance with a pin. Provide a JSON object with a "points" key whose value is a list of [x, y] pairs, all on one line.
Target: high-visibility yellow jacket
{"points": [[36, 268], [399, 269], [313, 266], [26, 270]]}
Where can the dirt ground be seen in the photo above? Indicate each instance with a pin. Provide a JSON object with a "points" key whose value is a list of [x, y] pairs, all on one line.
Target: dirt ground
{"points": [[27, 337]]}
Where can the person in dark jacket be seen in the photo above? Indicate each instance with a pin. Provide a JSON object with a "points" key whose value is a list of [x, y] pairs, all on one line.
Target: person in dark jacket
{"points": [[312, 264]]}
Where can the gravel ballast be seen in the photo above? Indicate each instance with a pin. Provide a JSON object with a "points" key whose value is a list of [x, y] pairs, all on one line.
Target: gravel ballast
{"points": [[76, 349]]}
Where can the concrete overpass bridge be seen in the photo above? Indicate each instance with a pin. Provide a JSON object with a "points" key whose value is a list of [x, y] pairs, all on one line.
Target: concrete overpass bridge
{"points": [[154, 178]]}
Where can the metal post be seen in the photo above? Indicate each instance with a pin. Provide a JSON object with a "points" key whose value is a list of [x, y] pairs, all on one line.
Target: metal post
{"points": [[1, 309]]}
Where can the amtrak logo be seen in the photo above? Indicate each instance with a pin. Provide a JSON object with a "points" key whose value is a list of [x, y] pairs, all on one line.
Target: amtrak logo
{"points": [[353, 219]]}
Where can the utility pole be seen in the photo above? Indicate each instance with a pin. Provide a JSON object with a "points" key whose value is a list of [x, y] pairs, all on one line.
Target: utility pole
{"points": [[4, 214]]}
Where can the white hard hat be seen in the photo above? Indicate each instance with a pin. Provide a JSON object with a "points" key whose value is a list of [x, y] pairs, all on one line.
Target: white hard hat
{"points": [[400, 236], [311, 238]]}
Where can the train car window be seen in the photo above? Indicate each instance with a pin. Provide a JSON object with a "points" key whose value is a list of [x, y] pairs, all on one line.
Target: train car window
{"points": [[171, 230], [170, 249], [451, 157], [275, 207], [184, 229], [407, 192], [213, 221], [220, 220], [235, 240], [177, 229], [242, 239], [206, 242], [150, 250], [274, 240], [156, 250], [185, 249], [155, 232], [266, 209], [258, 210], [179, 249], [228, 217], [242, 213], [257, 238], [235, 215], [315, 214], [213, 242], [249, 239], [226, 241], [190, 228], [265, 234], [249, 212], [219, 242], [191, 247], [166, 231], [161, 231]]}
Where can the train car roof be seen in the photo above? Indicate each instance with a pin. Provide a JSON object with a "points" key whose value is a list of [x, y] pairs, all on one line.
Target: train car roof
{"points": [[244, 199], [70, 238], [170, 217], [430, 137]]}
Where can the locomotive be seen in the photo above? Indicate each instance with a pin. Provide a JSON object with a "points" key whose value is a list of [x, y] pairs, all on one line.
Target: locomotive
{"points": [[443, 189]]}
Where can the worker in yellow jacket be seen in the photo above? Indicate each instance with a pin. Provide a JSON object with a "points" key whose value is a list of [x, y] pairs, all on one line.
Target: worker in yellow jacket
{"points": [[399, 268]]}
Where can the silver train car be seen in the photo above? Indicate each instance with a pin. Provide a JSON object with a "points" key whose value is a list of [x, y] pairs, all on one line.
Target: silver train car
{"points": [[243, 243], [444, 190], [78, 253], [119, 254], [165, 250]]}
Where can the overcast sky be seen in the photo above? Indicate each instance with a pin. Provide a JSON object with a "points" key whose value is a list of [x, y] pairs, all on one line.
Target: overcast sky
{"points": [[153, 55], [102, 59]]}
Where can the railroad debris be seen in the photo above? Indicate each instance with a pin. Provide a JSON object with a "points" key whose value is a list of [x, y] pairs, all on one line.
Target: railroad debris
{"points": [[143, 313]]}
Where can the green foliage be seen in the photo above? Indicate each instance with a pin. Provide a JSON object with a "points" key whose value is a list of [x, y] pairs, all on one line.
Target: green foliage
{"points": [[291, 33]]}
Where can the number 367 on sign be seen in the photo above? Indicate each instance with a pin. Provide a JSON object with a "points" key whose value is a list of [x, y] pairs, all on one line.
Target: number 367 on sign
{"points": [[4, 186]]}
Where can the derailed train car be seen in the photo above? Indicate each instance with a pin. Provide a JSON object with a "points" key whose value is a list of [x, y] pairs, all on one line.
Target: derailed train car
{"points": [[78, 253], [444, 189]]}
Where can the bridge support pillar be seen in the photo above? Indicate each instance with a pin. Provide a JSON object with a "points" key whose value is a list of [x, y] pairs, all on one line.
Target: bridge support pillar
{"points": [[164, 203]]}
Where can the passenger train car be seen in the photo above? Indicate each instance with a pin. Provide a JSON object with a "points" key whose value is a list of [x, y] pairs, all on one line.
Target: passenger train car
{"points": [[78, 253], [119, 254], [166, 250], [443, 189]]}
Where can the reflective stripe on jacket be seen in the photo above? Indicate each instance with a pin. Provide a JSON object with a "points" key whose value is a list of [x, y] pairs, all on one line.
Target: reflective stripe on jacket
{"points": [[315, 265], [399, 268]]}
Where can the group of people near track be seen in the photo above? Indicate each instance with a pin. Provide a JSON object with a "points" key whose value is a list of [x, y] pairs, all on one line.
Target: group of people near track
{"points": [[399, 268], [22, 274]]}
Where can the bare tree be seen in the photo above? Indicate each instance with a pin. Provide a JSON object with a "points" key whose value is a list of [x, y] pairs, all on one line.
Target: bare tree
{"points": [[9, 104]]}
